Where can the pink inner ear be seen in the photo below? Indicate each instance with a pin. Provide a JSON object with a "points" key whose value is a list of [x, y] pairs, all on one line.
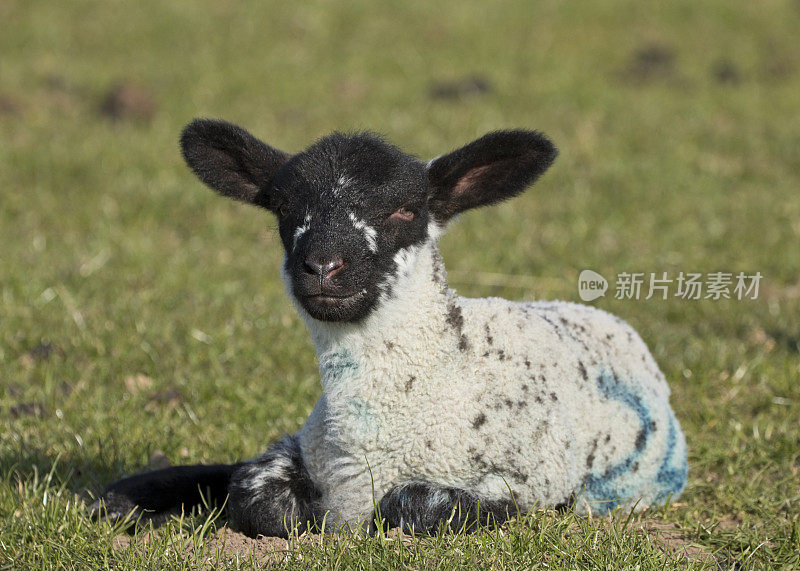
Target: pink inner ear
{"points": [[469, 179]]}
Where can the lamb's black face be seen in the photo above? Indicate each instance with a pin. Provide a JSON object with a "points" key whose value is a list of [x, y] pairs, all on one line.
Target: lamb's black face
{"points": [[345, 208], [348, 207]]}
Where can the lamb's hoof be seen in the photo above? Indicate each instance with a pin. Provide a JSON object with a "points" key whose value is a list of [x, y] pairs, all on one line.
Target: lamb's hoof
{"points": [[114, 508], [118, 509]]}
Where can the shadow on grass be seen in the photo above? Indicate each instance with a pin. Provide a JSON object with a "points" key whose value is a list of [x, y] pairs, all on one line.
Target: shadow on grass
{"points": [[85, 475]]}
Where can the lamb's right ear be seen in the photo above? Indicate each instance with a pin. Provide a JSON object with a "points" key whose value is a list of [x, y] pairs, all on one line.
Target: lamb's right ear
{"points": [[230, 160], [495, 167]]}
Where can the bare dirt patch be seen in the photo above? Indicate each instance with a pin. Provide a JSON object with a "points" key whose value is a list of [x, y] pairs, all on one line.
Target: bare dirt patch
{"points": [[675, 541], [224, 544], [227, 544]]}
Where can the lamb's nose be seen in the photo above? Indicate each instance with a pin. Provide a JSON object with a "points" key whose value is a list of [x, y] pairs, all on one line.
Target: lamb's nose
{"points": [[325, 269]]}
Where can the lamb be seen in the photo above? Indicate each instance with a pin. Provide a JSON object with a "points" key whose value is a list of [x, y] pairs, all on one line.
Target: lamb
{"points": [[443, 411]]}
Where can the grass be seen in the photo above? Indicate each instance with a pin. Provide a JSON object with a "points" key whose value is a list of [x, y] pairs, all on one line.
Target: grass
{"points": [[138, 312]]}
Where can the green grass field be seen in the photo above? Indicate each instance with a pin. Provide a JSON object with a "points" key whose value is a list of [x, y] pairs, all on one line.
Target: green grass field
{"points": [[140, 313]]}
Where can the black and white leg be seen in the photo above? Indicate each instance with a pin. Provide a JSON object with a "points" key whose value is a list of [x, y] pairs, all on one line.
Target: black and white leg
{"points": [[273, 494], [422, 507], [157, 496]]}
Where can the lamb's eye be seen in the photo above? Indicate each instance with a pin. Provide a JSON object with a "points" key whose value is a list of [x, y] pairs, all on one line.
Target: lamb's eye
{"points": [[283, 211], [402, 213]]}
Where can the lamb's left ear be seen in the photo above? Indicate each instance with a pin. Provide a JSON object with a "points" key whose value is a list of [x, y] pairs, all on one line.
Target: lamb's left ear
{"points": [[498, 166], [230, 160]]}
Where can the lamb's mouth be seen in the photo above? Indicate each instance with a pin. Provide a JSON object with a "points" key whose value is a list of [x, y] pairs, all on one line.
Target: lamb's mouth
{"points": [[327, 306], [334, 298]]}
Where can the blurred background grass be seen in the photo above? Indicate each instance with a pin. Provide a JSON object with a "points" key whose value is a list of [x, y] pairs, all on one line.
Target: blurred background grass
{"points": [[138, 312]]}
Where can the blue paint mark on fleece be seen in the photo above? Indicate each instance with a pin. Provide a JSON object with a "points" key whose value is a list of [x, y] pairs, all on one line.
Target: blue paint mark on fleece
{"points": [[671, 479], [619, 482], [362, 417], [608, 489], [337, 365]]}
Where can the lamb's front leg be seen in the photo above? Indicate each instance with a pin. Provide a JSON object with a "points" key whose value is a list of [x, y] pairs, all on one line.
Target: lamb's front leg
{"points": [[422, 507], [274, 493]]}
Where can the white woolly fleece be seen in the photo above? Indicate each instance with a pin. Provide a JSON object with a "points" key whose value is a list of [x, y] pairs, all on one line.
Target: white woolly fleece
{"points": [[551, 402]]}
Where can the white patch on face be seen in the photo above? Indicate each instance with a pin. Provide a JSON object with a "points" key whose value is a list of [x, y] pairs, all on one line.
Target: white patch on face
{"points": [[406, 262], [300, 230], [370, 235]]}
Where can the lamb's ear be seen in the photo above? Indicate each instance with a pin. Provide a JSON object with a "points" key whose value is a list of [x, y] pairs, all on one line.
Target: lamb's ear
{"points": [[498, 166], [230, 160]]}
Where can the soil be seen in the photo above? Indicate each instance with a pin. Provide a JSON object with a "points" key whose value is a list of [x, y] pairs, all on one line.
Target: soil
{"points": [[224, 544], [227, 544]]}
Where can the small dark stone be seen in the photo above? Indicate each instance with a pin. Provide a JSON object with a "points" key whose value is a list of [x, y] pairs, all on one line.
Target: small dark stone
{"points": [[651, 62], [725, 71], [9, 106], [43, 351], [170, 398], [462, 88], [128, 101], [35, 409]]}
